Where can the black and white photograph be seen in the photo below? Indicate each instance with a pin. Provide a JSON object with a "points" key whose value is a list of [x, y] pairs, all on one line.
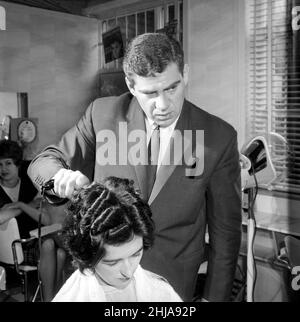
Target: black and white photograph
{"points": [[150, 154], [112, 44]]}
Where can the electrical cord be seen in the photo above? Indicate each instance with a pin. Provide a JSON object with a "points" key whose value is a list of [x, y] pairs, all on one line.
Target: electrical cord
{"points": [[40, 283], [254, 231], [47, 186]]}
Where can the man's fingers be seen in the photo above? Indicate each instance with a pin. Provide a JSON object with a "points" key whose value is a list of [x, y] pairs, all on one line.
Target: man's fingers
{"points": [[81, 181], [66, 181], [60, 181], [70, 184], [57, 178], [76, 181]]}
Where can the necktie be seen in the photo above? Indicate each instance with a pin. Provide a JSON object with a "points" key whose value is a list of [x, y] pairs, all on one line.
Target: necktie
{"points": [[153, 152]]}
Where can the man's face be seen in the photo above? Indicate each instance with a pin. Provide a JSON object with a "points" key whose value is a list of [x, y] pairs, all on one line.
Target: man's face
{"points": [[161, 96]]}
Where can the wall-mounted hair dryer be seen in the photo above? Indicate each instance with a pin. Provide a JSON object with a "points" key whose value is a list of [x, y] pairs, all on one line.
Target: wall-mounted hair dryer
{"points": [[255, 159]]}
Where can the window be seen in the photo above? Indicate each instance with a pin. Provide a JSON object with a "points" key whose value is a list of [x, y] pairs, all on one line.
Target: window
{"points": [[274, 82], [138, 22]]}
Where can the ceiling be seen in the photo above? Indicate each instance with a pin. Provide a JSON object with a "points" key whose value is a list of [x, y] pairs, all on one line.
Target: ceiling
{"points": [[67, 6]]}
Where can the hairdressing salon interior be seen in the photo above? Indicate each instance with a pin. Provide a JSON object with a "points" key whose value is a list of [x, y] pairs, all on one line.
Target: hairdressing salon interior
{"points": [[244, 67]]}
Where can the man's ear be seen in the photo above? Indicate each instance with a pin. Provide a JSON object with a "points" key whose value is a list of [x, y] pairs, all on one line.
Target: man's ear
{"points": [[186, 74], [130, 86]]}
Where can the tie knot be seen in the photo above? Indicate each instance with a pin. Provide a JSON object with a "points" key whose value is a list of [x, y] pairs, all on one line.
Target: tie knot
{"points": [[155, 127]]}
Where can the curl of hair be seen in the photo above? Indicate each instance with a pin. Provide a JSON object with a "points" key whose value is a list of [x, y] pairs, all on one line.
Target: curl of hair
{"points": [[108, 213], [151, 53], [11, 150]]}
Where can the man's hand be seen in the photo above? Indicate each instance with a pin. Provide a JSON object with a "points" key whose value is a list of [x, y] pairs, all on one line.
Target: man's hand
{"points": [[67, 181]]}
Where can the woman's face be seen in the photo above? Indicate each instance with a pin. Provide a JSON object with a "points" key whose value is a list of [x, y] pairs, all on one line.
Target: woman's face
{"points": [[118, 265], [8, 170]]}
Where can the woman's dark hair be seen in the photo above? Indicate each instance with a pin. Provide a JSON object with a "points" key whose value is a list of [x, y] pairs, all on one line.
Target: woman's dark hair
{"points": [[11, 150], [108, 213], [151, 53]]}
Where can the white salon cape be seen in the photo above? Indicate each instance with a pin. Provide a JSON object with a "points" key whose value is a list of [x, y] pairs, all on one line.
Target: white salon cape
{"points": [[85, 288]]}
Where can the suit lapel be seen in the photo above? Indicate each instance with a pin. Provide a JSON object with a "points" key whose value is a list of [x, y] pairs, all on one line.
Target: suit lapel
{"points": [[172, 153], [137, 128]]}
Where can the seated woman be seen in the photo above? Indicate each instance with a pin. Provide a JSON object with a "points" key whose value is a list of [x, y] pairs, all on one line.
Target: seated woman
{"points": [[18, 196], [107, 228], [20, 199]]}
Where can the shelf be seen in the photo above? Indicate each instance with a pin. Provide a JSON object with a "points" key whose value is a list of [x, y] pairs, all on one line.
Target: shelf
{"points": [[277, 223]]}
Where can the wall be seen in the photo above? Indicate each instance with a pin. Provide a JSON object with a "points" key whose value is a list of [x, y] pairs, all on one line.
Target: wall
{"points": [[214, 41], [54, 58]]}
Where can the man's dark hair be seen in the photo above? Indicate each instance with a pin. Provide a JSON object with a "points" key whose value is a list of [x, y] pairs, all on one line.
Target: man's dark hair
{"points": [[11, 150], [108, 213], [151, 53]]}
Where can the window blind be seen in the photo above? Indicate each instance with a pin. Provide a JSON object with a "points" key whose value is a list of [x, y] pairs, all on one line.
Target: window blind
{"points": [[273, 99]]}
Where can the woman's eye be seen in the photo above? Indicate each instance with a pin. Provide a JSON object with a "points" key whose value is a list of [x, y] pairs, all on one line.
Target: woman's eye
{"points": [[150, 94], [111, 263]]}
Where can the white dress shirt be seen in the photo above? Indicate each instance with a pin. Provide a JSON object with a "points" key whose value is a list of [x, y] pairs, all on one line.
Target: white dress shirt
{"points": [[13, 193], [165, 136]]}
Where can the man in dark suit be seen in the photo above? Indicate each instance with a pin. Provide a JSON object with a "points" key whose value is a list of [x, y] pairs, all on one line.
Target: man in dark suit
{"points": [[196, 185]]}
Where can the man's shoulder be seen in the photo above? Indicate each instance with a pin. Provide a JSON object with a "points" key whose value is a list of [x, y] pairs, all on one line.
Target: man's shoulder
{"points": [[210, 122], [111, 104]]}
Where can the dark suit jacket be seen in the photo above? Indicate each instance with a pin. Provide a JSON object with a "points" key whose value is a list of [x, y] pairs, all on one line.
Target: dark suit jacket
{"points": [[183, 204]]}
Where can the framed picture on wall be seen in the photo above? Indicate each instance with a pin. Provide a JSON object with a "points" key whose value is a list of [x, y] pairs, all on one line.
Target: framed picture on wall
{"points": [[113, 44]]}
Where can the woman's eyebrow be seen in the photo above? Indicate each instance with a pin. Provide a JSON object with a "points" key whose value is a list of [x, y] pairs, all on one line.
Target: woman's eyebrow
{"points": [[118, 259]]}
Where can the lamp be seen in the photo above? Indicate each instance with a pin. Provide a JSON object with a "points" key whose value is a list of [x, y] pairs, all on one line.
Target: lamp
{"points": [[257, 159]]}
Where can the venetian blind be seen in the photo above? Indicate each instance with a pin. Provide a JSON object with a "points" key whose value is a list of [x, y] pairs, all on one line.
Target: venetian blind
{"points": [[274, 94]]}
